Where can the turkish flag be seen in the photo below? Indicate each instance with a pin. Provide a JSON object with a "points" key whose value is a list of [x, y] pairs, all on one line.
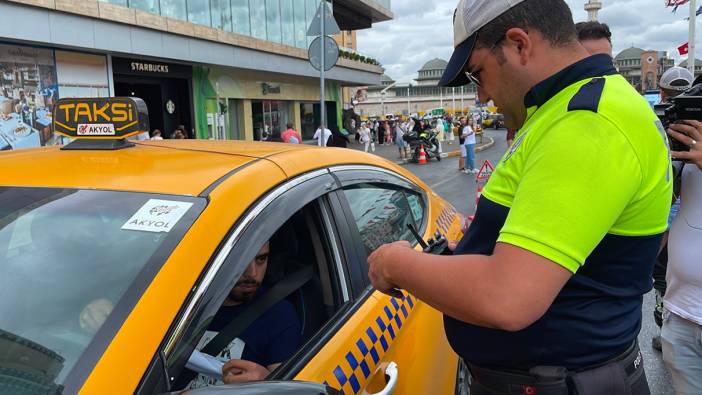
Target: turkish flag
{"points": [[683, 49]]}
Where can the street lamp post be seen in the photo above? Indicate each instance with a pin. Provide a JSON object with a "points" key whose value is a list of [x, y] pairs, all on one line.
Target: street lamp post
{"points": [[453, 105], [382, 97], [462, 95]]}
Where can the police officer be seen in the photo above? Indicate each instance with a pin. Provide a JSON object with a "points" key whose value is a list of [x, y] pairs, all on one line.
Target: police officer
{"points": [[544, 291]]}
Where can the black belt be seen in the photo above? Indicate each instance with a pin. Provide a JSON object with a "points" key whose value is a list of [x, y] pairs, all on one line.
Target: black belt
{"points": [[555, 380]]}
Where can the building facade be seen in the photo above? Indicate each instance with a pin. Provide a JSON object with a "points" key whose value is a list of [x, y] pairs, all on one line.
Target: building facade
{"points": [[234, 69], [698, 66], [642, 68], [395, 98]]}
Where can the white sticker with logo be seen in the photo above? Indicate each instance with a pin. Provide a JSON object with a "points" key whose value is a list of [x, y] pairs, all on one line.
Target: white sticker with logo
{"points": [[157, 216], [96, 129]]}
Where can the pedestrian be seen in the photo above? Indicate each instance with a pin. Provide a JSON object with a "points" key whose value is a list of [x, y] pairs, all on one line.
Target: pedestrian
{"points": [[449, 131], [338, 139], [376, 132], [290, 135], [673, 82], [275, 136], [468, 146], [681, 336], [388, 132], [156, 135], [399, 140], [322, 135], [510, 136], [178, 135], [544, 291], [439, 128], [366, 137]]}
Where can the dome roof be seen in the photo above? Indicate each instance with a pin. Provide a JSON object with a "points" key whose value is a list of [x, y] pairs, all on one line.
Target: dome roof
{"points": [[684, 63], [630, 53], [434, 64]]}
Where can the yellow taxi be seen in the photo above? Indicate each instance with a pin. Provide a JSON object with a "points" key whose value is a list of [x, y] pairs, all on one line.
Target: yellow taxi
{"points": [[117, 255]]}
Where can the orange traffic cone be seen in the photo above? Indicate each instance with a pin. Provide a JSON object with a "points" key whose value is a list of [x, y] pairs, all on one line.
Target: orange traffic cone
{"points": [[422, 156]]}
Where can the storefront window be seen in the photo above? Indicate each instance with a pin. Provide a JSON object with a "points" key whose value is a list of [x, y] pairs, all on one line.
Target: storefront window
{"points": [[310, 8], [287, 18], [118, 2], [199, 12], [28, 90], [258, 19], [300, 25], [240, 16], [270, 118], [174, 9], [307, 119], [221, 15], [273, 20], [145, 5]]}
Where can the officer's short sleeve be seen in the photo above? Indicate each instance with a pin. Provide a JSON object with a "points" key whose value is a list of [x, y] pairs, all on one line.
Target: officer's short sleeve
{"points": [[577, 179]]}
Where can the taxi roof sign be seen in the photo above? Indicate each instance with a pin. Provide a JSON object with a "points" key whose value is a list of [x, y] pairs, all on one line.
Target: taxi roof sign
{"points": [[104, 118]]}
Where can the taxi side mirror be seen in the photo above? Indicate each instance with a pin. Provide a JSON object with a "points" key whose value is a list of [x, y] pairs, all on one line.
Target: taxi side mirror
{"points": [[264, 387]]}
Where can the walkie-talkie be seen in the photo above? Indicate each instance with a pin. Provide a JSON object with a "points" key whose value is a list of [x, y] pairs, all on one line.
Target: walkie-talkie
{"points": [[437, 245]]}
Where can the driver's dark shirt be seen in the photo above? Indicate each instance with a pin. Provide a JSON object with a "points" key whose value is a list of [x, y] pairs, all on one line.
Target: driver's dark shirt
{"points": [[272, 338]]}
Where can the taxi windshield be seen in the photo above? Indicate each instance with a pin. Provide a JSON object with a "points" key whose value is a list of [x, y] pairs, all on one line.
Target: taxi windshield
{"points": [[73, 263]]}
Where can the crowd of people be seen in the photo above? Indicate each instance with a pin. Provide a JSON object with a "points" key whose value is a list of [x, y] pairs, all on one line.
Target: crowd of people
{"points": [[552, 281]]}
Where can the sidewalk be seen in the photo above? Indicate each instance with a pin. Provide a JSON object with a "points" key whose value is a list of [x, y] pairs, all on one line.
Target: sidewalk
{"points": [[391, 153]]}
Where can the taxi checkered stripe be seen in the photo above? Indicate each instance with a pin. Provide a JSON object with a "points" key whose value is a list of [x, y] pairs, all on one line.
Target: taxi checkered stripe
{"points": [[445, 219], [372, 346]]}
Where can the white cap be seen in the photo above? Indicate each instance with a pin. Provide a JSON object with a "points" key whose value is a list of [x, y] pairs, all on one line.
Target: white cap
{"points": [[676, 79], [470, 16]]}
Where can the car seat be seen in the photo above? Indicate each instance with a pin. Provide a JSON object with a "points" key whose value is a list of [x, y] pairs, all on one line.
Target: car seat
{"points": [[286, 257]]}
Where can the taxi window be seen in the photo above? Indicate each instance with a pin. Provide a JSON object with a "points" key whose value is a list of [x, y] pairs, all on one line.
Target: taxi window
{"points": [[73, 260], [382, 213]]}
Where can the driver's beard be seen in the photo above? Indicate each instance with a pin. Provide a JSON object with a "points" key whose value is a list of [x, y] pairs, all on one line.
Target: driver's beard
{"points": [[239, 296]]}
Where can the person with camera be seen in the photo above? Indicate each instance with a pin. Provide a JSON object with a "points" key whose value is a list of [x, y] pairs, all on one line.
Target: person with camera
{"points": [[672, 83], [681, 335], [544, 291]]}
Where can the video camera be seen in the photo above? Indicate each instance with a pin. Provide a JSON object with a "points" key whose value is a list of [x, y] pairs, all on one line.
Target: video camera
{"points": [[687, 105]]}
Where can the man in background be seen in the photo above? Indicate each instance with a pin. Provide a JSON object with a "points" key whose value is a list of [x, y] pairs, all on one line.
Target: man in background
{"points": [[595, 37]]}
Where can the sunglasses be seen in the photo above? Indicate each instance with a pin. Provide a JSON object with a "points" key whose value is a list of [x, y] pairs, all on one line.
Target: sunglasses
{"points": [[474, 76]]}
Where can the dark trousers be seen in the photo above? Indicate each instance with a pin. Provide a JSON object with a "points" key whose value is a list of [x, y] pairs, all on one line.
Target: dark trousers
{"points": [[623, 375]]}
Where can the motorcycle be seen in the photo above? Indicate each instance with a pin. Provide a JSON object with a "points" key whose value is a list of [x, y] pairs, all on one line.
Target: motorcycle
{"points": [[429, 139]]}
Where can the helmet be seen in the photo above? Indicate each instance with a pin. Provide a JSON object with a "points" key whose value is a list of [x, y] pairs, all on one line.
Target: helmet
{"points": [[676, 79]]}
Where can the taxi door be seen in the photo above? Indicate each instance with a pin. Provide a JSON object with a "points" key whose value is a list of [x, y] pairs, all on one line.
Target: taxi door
{"points": [[389, 345]]}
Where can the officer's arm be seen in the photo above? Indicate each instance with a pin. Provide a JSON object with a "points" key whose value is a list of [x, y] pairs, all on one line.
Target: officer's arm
{"points": [[509, 290]]}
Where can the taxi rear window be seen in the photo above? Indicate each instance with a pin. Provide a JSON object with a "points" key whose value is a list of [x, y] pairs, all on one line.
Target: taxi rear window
{"points": [[73, 263]]}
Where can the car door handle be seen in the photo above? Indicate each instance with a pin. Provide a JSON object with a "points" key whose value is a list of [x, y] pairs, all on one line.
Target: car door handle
{"points": [[392, 373]]}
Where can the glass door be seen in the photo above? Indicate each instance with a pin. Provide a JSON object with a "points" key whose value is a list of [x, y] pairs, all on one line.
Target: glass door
{"points": [[270, 118]]}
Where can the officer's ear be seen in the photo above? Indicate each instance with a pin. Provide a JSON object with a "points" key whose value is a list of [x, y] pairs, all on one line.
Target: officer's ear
{"points": [[519, 42]]}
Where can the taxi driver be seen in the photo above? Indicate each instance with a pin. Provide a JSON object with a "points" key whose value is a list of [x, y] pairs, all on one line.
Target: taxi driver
{"points": [[270, 340]]}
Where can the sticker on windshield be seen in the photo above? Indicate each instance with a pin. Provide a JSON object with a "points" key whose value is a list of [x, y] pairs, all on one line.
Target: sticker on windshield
{"points": [[157, 216]]}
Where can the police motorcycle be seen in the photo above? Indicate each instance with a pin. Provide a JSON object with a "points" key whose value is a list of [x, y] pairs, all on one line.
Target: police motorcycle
{"points": [[428, 138]]}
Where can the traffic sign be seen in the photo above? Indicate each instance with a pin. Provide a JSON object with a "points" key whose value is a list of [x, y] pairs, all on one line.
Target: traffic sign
{"points": [[331, 53], [330, 25], [485, 171]]}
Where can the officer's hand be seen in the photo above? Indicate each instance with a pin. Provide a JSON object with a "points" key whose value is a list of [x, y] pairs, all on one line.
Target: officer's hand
{"points": [[242, 371], [688, 133], [94, 315], [378, 263]]}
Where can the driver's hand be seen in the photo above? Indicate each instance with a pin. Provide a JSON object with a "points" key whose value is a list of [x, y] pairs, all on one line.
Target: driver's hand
{"points": [[242, 371], [94, 315]]}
